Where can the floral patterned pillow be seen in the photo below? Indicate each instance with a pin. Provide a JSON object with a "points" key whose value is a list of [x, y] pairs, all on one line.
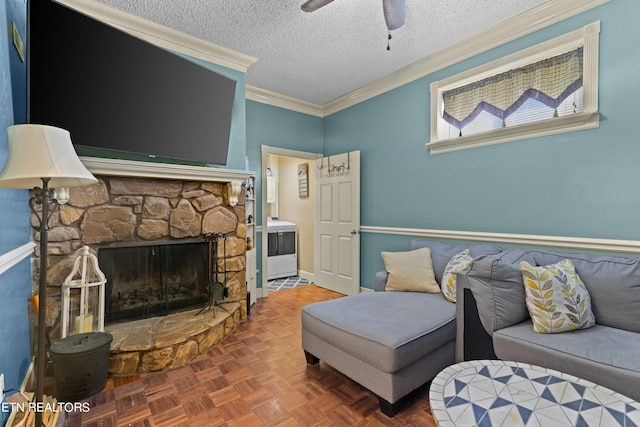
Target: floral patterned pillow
{"points": [[556, 297], [450, 276]]}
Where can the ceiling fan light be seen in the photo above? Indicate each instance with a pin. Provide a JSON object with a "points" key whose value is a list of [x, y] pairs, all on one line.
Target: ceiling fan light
{"points": [[394, 13], [313, 5]]}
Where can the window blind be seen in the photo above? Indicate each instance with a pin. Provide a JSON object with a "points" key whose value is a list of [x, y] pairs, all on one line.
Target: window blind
{"points": [[525, 93]]}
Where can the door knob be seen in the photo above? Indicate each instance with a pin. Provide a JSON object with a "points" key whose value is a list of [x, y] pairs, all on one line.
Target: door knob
{"points": [[354, 232]]}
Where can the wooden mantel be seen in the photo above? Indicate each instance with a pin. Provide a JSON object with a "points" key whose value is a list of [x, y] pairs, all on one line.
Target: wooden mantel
{"points": [[136, 169], [117, 167]]}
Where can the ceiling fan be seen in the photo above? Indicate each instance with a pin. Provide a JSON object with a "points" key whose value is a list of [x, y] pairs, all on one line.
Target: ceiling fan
{"points": [[394, 11]]}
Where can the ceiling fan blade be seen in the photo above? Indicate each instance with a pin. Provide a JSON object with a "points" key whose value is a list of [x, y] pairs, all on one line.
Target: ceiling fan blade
{"points": [[313, 5], [394, 13]]}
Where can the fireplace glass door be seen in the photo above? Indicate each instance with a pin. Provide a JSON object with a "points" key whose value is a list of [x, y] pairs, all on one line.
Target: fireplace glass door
{"points": [[152, 280]]}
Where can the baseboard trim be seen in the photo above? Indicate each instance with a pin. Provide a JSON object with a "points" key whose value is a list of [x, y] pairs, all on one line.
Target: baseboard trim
{"points": [[584, 243], [307, 275]]}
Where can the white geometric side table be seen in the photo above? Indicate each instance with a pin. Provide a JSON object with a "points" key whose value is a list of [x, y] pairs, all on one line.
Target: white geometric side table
{"points": [[490, 393]]}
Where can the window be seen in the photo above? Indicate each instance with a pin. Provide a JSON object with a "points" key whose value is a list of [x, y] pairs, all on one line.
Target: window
{"points": [[547, 89]]}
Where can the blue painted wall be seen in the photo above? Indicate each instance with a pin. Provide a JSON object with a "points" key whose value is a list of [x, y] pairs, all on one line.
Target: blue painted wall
{"points": [[16, 13], [15, 283], [575, 184], [277, 127]]}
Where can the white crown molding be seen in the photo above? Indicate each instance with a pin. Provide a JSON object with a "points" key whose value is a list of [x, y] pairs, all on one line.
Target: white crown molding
{"points": [[548, 13], [13, 257], [583, 243], [161, 35], [284, 101]]}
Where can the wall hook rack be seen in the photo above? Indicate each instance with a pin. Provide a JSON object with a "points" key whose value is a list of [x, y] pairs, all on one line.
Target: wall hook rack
{"points": [[337, 170]]}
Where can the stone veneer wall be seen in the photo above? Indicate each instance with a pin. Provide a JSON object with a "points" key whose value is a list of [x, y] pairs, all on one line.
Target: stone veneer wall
{"points": [[118, 209]]}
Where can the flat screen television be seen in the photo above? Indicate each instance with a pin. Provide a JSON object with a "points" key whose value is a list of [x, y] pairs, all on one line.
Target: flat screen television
{"points": [[115, 92]]}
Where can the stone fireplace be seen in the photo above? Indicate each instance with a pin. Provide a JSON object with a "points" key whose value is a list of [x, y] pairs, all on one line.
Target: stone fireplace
{"points": [[147, 224]]}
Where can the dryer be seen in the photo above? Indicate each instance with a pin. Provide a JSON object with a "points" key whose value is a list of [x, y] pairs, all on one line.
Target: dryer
{"points": [[282, 256]]}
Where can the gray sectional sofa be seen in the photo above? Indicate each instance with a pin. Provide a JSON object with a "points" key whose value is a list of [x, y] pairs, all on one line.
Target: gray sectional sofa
{"points": [[393, 342], [607, 353], [389, 342]]}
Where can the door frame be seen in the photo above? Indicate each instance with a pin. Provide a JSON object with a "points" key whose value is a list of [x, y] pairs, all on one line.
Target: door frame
{"points": [[265, 151]]}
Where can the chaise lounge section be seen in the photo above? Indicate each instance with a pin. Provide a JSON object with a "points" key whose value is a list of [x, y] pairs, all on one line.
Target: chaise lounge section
{"points": [[390, 342], [382, 340]]}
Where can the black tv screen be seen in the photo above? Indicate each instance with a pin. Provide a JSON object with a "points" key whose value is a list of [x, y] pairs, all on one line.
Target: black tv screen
{"points": [[113, 91]]}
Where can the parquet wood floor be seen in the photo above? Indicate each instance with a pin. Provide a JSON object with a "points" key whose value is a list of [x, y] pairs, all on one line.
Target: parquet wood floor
{"points": [[257, 377]]}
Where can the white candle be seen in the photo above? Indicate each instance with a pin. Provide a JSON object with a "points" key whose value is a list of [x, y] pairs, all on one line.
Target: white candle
{"points": [[84, 323]]}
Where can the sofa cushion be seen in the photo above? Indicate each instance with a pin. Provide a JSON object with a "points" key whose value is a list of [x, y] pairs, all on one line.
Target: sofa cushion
{"points": [[556, 298], [450, 277], [600, 354], [410, 271], [384, 329], [613, 283], [497, 286], [442, 253]]}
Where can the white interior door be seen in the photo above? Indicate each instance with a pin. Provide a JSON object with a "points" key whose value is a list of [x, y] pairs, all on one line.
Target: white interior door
{"points": [[337, 223]]}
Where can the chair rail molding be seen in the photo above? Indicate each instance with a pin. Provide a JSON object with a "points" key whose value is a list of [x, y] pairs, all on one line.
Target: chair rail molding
{"points": [[16, 255], [584, 243]]}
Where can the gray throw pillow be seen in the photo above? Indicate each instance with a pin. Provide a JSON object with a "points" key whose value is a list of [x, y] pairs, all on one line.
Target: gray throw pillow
{"points": [[497, 286]]}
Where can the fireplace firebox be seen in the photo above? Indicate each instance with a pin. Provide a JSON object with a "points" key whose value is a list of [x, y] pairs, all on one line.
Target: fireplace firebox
{"points": [[154, 279]]}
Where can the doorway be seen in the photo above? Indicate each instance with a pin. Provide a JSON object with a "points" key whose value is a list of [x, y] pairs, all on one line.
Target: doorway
{"points": [[288, 198]]}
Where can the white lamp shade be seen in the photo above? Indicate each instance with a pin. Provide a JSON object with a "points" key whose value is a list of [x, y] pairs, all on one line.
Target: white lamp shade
{"points": [[40, 151]]}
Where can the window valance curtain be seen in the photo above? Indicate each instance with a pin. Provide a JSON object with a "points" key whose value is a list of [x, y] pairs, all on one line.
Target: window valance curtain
{"points": [[549, 81]]}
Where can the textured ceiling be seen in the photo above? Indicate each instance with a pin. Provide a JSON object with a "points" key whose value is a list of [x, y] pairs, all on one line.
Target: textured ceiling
{"points": [[323, 55]]}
